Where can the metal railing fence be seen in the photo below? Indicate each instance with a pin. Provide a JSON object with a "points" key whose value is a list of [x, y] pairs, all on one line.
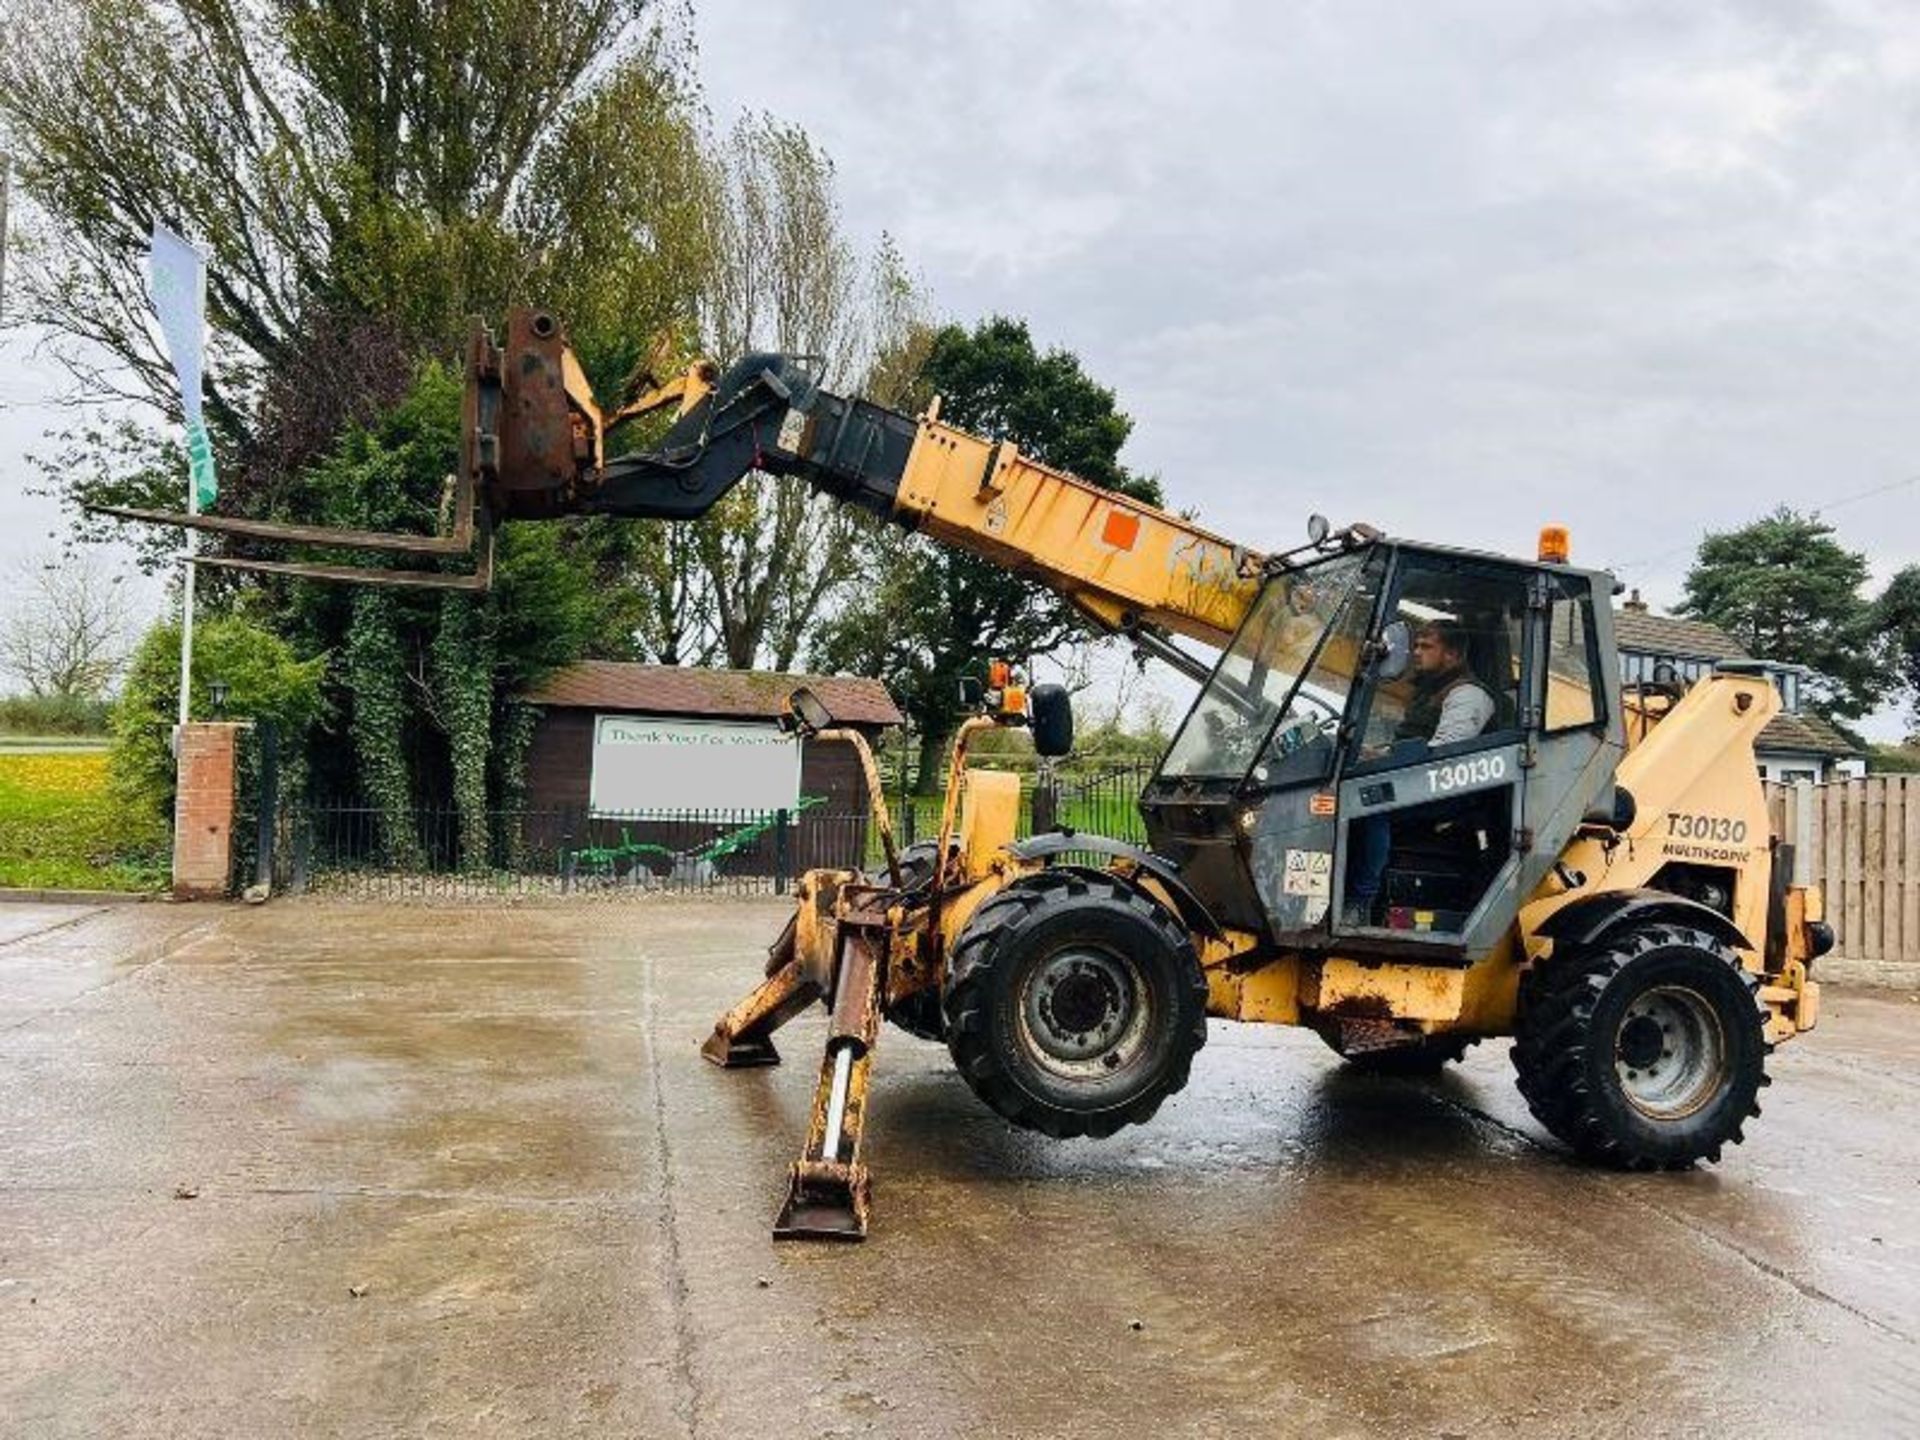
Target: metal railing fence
{"points": [[350, 848], [435, 851]]}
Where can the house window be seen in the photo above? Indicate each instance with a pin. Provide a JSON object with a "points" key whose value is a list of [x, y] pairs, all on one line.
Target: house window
{"points": [[1790, 777]]}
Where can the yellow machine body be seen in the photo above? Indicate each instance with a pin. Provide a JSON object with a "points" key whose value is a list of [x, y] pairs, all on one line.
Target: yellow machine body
{"points": [[1698, 763]]}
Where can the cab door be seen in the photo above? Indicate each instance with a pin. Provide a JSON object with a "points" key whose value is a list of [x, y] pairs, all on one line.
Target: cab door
{"points": [[1575, 725], [1448, 812]]}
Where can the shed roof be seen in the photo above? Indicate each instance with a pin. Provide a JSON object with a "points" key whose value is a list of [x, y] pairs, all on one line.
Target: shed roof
{"points": [[721, 694]]}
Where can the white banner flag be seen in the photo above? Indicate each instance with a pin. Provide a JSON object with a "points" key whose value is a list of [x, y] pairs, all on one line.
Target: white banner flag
{"points": [[179, 274]]}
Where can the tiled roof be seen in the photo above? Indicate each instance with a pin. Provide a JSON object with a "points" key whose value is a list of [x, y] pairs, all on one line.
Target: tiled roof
{"points": [[1650, 634], [684, 690], [1804, 734]]}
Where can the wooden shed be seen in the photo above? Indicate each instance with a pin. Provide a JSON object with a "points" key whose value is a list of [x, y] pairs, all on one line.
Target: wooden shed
{"points": [[662, 748]]}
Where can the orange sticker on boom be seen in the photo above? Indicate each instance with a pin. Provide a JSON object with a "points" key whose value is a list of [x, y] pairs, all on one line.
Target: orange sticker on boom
{"points": [[1122, 529], [1321, 803]]}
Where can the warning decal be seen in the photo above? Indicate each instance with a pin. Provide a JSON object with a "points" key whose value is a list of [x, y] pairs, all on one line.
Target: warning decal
{"points": [[1308, 872], [1121, 530]]}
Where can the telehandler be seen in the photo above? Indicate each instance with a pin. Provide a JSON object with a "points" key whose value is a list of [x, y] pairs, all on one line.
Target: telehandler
{"points": [[1322, 853]]}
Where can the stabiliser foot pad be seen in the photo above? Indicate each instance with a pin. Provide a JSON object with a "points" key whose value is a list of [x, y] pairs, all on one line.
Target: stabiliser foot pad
{"points": [[739, 1054], [826, 1200]]}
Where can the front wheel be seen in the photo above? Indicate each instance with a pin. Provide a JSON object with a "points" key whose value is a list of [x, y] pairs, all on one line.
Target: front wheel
{"points": [[1647, 1051], [1075, 1004]]}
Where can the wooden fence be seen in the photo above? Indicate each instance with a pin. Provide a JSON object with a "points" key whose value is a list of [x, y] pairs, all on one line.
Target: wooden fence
{"points": [[1863, 839]]}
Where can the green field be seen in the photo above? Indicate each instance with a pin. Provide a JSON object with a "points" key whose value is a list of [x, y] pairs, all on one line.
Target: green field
{"points": [[60, 829]]}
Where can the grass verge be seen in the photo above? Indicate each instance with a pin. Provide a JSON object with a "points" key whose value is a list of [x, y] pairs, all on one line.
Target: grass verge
{"points": [[61, 829]]}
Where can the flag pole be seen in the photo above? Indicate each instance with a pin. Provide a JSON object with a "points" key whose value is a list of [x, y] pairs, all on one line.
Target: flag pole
{"points": [[188, 571], [179, 274], [6, 189]]}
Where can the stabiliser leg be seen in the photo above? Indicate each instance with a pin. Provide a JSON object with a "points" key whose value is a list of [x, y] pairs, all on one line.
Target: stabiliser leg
{"points": [[744, 1035], [828, 1191]]}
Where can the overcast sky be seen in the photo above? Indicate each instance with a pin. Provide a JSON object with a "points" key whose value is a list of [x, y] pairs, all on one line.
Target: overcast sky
{"points": [[1455, 269]]}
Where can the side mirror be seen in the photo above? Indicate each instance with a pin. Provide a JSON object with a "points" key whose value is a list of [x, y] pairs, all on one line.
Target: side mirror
{"points": [[807, 712], [1050, 715], [1394, 650]]}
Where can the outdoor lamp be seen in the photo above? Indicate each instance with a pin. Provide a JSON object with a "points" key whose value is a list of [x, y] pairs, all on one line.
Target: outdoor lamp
{"points": [[217, 692]]}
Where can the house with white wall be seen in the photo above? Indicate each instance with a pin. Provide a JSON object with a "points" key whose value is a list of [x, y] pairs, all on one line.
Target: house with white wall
{"points": [[1796, 745]]}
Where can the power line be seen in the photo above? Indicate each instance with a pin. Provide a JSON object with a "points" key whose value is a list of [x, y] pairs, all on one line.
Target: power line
{"points": [[1816, 512], [1866, 494]]}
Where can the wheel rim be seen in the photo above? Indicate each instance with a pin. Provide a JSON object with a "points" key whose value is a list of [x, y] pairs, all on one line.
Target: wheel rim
{"points": [[1083, 1012], [1670, 1053]]}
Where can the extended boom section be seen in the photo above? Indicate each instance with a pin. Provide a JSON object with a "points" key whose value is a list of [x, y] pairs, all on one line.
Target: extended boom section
{"points": [[536, 450], [535, 445]]}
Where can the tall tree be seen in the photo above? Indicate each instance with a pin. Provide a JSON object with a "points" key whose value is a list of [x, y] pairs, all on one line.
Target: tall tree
{"points": [[378, 156], [925, 617], [1896, 616], [785, 277], [1788, 591], [369, 173], [366, 174]]}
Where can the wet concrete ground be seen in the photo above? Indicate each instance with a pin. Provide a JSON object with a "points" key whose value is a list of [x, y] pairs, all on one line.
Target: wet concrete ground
{"points": [[496, 1125]]}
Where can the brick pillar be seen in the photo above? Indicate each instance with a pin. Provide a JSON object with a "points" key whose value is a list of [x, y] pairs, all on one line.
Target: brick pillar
{"points": [[203, 811]]}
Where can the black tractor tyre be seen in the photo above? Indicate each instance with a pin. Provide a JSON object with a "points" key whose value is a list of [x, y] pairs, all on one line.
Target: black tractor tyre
{"points": [[1428, 1055], [1074, 1004], [918, 1014], [1646, 1051]]}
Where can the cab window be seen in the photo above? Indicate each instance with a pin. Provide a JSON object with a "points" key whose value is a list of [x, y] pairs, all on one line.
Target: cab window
{"points": [[1572, 703], [1277, 645], [1463, 625]]}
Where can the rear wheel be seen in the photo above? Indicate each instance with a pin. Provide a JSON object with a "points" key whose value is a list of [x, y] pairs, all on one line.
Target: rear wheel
{"points": [[1075, 1004], [1647, 1051]]}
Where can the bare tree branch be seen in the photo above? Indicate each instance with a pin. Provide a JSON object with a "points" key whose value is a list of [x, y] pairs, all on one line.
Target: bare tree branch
{"points": [[66, 627]]}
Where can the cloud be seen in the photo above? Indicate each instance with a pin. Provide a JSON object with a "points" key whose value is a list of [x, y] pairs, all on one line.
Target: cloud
{"points": [[1465, 268]]}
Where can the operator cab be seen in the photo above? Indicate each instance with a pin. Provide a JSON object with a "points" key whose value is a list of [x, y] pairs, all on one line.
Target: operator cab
{"points": [[1394, 746]]}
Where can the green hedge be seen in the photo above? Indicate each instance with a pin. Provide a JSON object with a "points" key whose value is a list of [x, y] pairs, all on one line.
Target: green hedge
{"points": [[52, 715]]}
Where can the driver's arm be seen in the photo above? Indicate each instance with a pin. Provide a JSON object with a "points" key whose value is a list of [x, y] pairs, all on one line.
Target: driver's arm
{"points": [[1463, 715]]}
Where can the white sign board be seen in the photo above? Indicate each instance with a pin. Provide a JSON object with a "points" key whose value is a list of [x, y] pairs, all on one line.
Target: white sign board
{"points": [[647, 764]]}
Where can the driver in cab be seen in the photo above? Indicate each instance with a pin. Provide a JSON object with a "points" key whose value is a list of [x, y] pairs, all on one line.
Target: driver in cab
{"points": [[1449, 704]]}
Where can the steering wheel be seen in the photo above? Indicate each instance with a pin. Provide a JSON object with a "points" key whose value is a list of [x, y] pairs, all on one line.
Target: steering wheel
{"points": [[1329, 721]]}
